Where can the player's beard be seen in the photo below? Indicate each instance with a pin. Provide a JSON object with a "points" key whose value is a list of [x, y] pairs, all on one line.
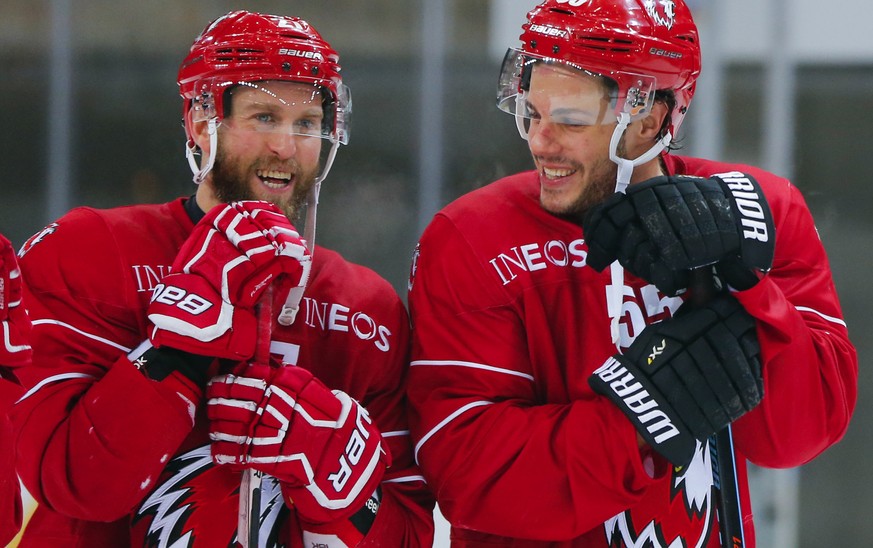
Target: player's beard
{"points": [[231, 182], [602, 175]]}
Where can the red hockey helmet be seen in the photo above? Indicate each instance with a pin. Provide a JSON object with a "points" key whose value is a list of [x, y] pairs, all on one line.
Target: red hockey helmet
{"points": [[243, 47], [641, 45]]}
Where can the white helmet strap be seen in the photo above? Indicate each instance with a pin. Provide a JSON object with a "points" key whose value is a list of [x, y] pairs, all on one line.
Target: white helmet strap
{"points": [[615, 290], [626, 166], [191, 151]]}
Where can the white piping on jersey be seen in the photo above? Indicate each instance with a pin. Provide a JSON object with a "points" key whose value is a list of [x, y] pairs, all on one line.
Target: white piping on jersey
{"points": [[395, 433], [405, 479], [55, 378], [446, 421], [7, 341], [474, 366], [825, 316], [83, 333]]}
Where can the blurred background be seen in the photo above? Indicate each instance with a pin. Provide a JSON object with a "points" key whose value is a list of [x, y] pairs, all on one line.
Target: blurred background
{"points": [[90, 115]]}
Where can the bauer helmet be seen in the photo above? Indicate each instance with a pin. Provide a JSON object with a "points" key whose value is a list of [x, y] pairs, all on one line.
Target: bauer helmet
{"points": [[241, 48], [639, 45]]}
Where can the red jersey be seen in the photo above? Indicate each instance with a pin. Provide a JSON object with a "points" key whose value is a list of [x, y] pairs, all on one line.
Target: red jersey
{"points": [[111, 456], [509, 324], [10, 490]]}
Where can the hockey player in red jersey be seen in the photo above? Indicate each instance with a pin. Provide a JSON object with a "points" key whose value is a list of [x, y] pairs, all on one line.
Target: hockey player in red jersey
{"points": [[566, 374], [15, 352], [159, 376]]}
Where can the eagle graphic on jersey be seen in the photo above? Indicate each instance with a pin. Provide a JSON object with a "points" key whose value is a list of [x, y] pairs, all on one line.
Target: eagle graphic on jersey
{"points": [[192, 501], [692, 508]]}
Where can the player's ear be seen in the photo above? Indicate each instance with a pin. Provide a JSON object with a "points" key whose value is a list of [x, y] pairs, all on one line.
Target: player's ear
{"points": [[651, 125], [642, 133]]}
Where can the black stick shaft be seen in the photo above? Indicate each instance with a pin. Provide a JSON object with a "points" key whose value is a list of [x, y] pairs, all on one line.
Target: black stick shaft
{"points": [[724, 466]]}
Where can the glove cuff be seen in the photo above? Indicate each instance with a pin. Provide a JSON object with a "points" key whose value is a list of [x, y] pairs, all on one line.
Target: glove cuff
{"points": [[653, 417], [158, 363], [753, 217], [351, 531]]}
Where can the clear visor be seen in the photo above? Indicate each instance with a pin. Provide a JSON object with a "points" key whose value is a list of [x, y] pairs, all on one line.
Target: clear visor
{"points": [[538, 89], [301, 119], [281, 107]]}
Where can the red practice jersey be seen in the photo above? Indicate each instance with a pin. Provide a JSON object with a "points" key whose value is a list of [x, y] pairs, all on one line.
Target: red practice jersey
{"points": [[111, 456], [509, 324], [10, 490]]}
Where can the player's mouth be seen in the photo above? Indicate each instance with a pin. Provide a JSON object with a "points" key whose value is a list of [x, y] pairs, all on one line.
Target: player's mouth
{"points": [[274, 179]]}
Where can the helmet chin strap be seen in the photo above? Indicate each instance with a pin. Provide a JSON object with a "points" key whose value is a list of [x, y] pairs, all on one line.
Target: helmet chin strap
{"points": [[190, 152], [615, 290], [295, 295], [625, 166]]}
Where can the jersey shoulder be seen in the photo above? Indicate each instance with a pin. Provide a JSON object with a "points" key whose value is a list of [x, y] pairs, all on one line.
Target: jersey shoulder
{"points": [[772, 184], [515, 194], [88, 252]]}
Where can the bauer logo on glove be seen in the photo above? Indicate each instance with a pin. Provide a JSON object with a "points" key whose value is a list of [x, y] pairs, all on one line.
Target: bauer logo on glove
{"points": [[320, 444]]}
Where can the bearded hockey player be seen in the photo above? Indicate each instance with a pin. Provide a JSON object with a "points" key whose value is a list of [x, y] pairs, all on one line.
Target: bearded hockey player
{"points": [[149, 395], [565, 381]]}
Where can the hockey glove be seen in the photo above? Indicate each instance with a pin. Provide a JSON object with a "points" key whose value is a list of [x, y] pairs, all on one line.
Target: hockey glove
{"points": [[320, 444], [687, 377], [206, 306], [661, 228], [14, 321]]}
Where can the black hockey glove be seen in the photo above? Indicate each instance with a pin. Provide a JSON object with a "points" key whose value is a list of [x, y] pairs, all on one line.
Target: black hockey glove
{"points": [[687, 377], [662, 228]]}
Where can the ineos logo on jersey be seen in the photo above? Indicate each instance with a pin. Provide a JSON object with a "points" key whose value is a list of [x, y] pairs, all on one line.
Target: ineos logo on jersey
{"points": [[175, 296], [535, 256], [336, 317], [149, 276]]}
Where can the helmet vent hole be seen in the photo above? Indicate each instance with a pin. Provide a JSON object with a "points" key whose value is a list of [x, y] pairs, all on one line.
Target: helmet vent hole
{"points": [[559, 10], [239, 55], [603, 43]]}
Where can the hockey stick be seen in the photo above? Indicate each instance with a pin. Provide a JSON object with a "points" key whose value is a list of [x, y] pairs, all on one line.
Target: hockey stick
{"points": [[248, 526], [721, 444]]}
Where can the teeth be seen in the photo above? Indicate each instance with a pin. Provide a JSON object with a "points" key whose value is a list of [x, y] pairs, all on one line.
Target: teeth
{"points": [[274, 174], [552, 173]]}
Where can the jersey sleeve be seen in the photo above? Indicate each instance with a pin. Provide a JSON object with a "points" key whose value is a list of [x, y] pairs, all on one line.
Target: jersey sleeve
{"points": [[92, 432], [810, 367], [486, 438]]}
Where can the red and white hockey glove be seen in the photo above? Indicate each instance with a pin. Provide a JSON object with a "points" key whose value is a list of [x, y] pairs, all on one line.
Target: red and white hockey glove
{"points": [[206, 305], [14, 321], [320, 444]]}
